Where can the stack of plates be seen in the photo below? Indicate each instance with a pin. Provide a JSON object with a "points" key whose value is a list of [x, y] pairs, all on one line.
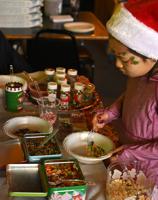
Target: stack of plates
{"points": [[20, 13]]}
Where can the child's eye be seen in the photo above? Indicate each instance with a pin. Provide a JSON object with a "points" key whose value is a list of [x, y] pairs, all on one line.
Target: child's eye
{"points": [[122, 60]]}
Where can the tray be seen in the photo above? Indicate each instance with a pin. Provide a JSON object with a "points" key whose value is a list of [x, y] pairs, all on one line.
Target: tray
{"points": [[31, 143], [63, 191], [41, 77], [11, 152], [24, 180]]}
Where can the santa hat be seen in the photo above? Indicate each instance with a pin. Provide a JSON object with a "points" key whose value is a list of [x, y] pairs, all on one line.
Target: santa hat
{"points": [[135, 24]]}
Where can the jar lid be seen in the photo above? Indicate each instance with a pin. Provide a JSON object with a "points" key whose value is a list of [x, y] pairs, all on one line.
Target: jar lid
{"points": [[52, 85], [61, 69], [65, 87], [49, 71], [72, 72], [14, 87], [60, 74], [79, 86]]}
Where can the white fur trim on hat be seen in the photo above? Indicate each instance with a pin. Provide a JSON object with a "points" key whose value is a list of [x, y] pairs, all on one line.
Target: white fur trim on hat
{"points": [[134, 34]]}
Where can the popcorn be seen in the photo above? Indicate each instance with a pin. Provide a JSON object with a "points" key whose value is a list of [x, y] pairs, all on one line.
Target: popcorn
{"points": [[127, 185]]}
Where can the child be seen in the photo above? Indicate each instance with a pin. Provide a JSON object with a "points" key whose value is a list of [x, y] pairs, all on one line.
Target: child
{"points": [[133, 39]]}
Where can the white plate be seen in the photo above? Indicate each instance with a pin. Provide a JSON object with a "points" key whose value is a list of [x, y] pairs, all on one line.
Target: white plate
{"points": [[75, 144], [33, 123], [79, 27]]}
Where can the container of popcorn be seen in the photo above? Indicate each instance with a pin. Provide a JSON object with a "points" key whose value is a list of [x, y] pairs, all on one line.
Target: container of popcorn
{"points": [[127, 181]]}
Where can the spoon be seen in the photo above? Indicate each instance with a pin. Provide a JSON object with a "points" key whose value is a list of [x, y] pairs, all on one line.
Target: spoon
{"points": [[90, 140], [51, 135], [111, 153], [34, 82], [11, 73]]}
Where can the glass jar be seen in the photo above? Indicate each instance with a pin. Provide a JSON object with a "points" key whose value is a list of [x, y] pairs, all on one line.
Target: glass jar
{"points": [[61, 69], [50, 72], [65, 95], [72, 76], [89, 92], [78, 93], [48, 110], [59, 75], [52, 90]]}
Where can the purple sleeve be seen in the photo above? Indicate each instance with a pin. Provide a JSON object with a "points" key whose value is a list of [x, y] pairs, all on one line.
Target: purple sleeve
{"points": [[143, 152], [114, 111]]}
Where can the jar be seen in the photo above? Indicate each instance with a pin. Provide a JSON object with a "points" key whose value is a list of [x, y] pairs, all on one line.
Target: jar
{"points": [[60, 81], [61, 69], [50, 72], [65, 95], [14, 96], [72, 76], [89, 92], [78, 93], [52, 90], [59, 75]]}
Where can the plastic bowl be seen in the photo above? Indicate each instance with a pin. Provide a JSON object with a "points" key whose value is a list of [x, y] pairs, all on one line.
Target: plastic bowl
{"points": [[38, 93], [75, 144], [34, 124]]}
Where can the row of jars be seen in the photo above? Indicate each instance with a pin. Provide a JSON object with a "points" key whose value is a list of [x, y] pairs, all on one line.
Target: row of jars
{"points": [[61, 76], [66, 85]]}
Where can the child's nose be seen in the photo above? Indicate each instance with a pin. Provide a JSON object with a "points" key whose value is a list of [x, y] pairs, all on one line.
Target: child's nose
{"points": [[119, 64]]}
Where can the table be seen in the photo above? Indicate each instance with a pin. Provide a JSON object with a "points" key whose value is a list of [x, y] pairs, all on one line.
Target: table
{"points": [[100, 32], [95, 173]]}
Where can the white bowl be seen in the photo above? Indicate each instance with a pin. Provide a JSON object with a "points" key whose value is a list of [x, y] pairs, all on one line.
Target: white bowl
{"points": [[35, 124], [75, 144], [7, 78]]}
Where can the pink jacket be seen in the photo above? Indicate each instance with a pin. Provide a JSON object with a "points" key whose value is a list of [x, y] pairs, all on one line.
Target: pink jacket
{"points": [[138, 109]]}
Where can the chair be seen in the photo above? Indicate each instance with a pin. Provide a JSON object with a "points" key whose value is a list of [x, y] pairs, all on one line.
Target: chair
{"points": [[87, 63], [61, 50]]}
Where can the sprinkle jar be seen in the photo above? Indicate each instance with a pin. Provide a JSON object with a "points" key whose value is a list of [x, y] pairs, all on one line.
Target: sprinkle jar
{"points": [[14, 96]]}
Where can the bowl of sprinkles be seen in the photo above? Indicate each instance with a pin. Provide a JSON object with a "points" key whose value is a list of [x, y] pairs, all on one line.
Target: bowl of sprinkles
{"points": [[77, 145]]}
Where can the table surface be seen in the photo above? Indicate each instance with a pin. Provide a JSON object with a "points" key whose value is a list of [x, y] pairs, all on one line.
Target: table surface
{"points": [[93, 173], [100, 32]]}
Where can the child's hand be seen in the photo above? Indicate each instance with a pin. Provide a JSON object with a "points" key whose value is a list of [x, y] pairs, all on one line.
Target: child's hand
{"points": [[99, 120]]}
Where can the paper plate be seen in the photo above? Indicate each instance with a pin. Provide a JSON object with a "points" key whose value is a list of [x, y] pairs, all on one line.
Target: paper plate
{"points": [[79, 27]]}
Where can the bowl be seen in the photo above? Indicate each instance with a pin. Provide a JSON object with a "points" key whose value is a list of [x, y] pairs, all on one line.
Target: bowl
{"points": [[7, 78], [18, 126], [42, 90], [76, 145]]}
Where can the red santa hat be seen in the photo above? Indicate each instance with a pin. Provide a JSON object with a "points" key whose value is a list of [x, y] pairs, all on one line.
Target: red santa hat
{"points": [[135, 24]]}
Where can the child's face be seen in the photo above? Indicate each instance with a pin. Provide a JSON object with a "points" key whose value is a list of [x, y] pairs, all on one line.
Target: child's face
{"points": [[127, 62]]}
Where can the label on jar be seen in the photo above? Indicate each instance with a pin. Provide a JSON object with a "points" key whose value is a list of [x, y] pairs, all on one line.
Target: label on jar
{"points": [[65, 95], [52, 91], [14, 96]]}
